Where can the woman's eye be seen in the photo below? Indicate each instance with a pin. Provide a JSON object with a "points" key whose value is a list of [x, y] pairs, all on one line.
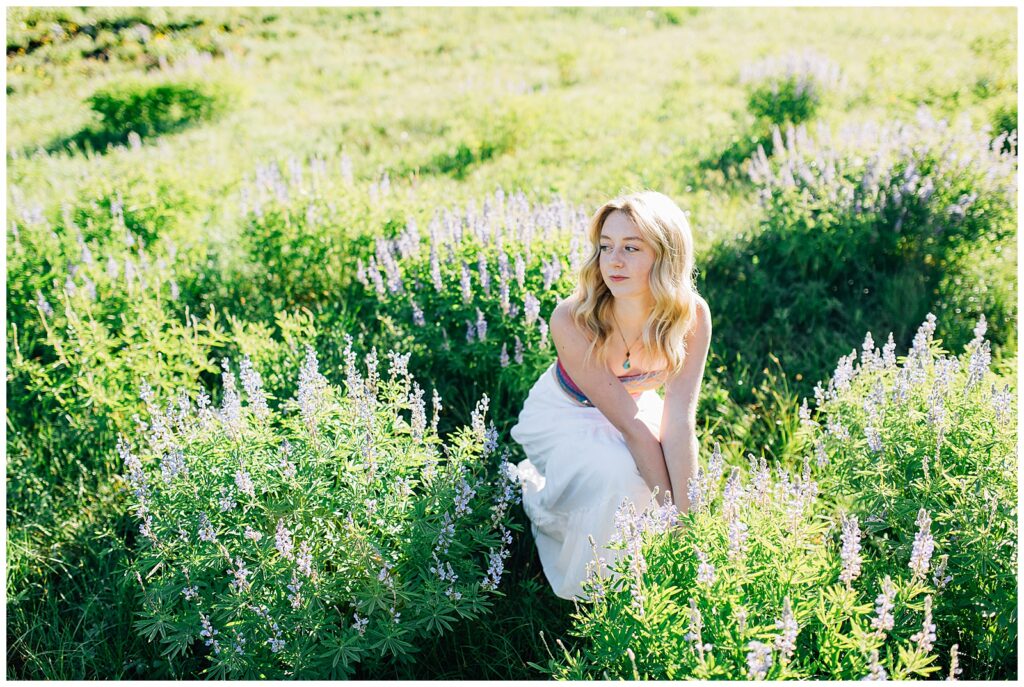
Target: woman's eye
{"points": [[632, 248]]}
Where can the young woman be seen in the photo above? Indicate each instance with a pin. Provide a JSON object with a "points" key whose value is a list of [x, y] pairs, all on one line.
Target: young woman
{"points": [[594, 429]]}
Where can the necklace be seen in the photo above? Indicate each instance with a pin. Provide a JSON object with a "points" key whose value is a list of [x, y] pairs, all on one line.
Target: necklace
{"points": [[625, 365]]}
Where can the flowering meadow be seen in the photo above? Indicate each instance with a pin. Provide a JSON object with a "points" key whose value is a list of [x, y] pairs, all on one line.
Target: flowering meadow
{"points": [[279, 281]]}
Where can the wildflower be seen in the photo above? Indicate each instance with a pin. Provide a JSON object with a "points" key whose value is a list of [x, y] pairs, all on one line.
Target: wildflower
{"points": [[740, 614], [694, 635], [874, 437], [417, 315], [518, 355], [531, 308], [705, 571], [436, 404], [146, 529], [283, 540], [835, 428], [883, 619], [311, 384], [954, 663], [868, 360], [231, 406], [805, 416], [924, 545], [786, 641], [253, 388], [759, 660], [239, 644], [503, 358], [226, 502], [889, 353], [939, 577], [466, 284], [276, 644], [495, 569], [481, 268], [732, 495], [252, 534], [1001, 402], [981, 358], [470, 332], [463, 496], [851, 550], [543, 326], [446, 535], [304, 561], [520, 268], [819, 453], [481, 325], [360, 624], [209, 633], [926, 637], [294, 586], [190, 592], [240, 573], [419, 411], [244, 483], [877, 671], [395, 616], [206, 532]]}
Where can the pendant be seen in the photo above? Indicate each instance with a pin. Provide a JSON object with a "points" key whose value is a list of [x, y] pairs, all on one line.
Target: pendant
{"points": [[625, 365]]}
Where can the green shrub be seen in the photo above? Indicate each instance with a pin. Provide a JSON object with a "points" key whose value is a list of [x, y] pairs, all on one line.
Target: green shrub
{"points": [[789, 88], [311, 542], [151, 109], [936, 433]]}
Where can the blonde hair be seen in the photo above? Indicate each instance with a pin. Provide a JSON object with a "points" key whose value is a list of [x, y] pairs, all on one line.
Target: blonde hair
{"points": [[664, 227]]}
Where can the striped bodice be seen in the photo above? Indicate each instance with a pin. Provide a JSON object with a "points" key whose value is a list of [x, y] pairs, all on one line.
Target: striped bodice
{"points": [[565, 381]]}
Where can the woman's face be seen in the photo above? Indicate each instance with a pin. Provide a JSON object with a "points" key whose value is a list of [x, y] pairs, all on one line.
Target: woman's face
{"points": [[624, 254]]}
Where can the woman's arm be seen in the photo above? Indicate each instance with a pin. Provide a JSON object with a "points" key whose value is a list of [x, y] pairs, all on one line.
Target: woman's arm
{"points": [[608, 395], [679, 419]]}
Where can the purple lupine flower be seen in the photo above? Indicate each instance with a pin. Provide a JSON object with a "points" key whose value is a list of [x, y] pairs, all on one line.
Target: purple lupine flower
{"points": [[481, 268], [360, 624], [785, 642], [417, 315], [294, 586], [244, 483], [190, 592], [819, 453], [240, 573], [470, 332], [543, 326], [226, 501], [926, 637], [209, 633], [1001, 401], [759, 660], [283, 540], [206, 532], [874, 437], [851, 550], [446, 535], [939, 577], [981, 358], [531, 308], [464, 494], [419, 411], [304, 561], [518, 357], [877, 671], [466, 283], [520, 268], [253, 385], [805, 416], [884, 619], [924, 545], [311, 385], [481, 325], [435, 269], [503, 358], [252, 534], [705, 571]]}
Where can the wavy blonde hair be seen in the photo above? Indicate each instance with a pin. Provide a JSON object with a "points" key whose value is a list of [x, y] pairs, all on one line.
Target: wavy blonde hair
{"points": [[664, 227]]}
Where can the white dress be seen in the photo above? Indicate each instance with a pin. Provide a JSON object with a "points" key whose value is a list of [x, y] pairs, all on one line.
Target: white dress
{"points": [[577, 472]]}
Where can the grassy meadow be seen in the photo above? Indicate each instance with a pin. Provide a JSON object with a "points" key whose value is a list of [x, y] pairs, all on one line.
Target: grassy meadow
{"points": [[207, 206]]}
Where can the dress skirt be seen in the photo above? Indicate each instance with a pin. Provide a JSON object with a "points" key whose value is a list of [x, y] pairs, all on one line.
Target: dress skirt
{"points": [[578, 471]]}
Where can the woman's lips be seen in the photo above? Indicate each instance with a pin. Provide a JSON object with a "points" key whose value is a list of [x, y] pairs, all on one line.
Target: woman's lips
{"points": [[618, 278]]}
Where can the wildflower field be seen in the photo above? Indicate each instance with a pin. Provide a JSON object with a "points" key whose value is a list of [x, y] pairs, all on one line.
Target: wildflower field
{"points": [[278, 283]]}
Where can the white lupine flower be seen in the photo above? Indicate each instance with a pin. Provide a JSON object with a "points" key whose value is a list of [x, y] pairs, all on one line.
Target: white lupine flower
{"points": [[850, 553], [805, 416], [419, 412], [954, 663], [759, 660], [1001, 401], [924, 545], [819, 453], [283, 540], [981, 358], [926, 637], [733, 495], [738, 534], [231, 406], [874, 437], [252, 534], [543, 327], [877, 671], [867, 356], [835, 428], [481, 268], [785, 642], [884, 619]]}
